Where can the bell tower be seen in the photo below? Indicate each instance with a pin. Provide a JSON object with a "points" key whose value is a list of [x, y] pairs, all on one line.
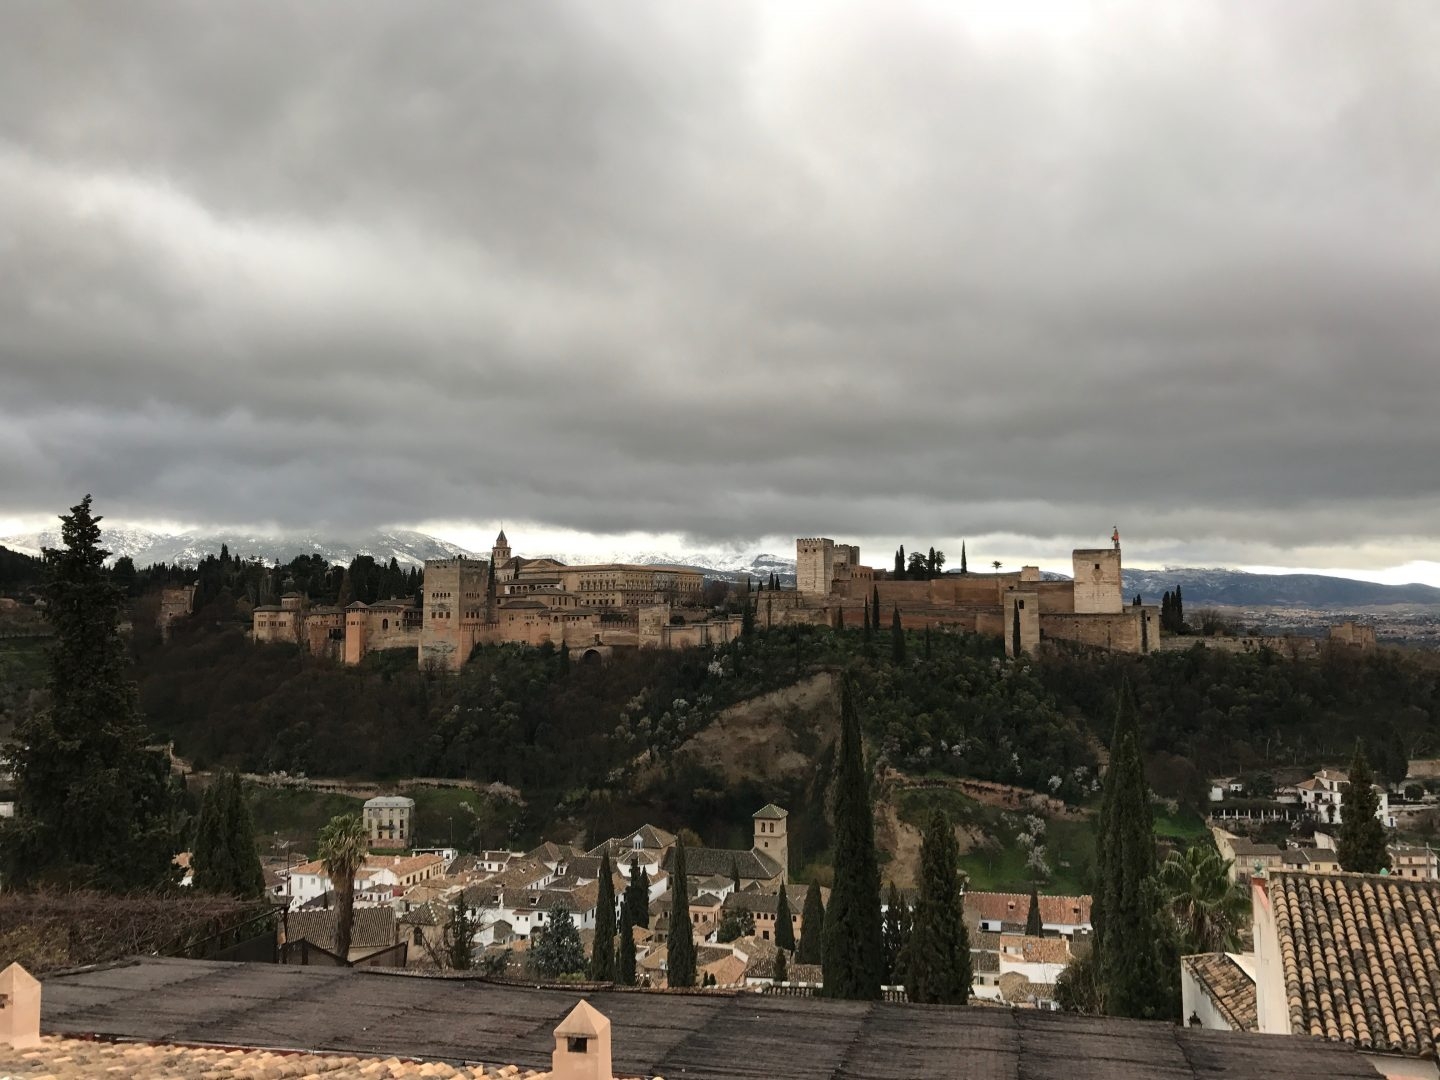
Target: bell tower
{"points": [[500, 553], [770, 838]]}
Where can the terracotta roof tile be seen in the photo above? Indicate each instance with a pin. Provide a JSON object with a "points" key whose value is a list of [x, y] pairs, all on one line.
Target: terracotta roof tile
{"points": [[1228, 987], [1015, 907], [1360, 956]]}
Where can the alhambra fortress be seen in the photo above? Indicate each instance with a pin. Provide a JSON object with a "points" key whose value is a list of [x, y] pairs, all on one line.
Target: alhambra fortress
{"points": [[593, 610]]}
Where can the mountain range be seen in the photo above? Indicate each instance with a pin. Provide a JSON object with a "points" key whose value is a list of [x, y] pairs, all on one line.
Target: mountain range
{"points": [[1216, 587]]}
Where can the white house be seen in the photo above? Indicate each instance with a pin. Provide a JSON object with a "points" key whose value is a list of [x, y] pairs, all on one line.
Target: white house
{"points": [[378, 880], [1323, 795]]}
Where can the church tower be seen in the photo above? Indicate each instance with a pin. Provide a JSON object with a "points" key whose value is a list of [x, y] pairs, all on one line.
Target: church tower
{"points": [[770, 838], [500, 553]]}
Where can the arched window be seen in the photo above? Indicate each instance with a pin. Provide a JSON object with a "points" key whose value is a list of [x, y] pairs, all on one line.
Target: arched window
{"points": [[384, 624]]}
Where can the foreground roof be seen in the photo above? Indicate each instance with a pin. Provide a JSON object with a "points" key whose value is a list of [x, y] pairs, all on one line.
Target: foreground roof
{"points": [[84, 1059], [699, 1036], [1360, 954]]}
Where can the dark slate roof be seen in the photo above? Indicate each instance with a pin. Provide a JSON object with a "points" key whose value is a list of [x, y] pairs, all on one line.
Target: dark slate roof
{"points": [[698, 1036], [704, 861], [770, 812]]}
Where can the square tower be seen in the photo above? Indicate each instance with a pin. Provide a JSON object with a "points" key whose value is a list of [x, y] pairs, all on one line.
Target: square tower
{"points": [[1097, 581], [770, 837]]}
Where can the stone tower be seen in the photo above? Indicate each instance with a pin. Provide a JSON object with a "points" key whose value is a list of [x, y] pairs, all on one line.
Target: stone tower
{"points": [[1097, 581], [770, 838], [500, 553]]}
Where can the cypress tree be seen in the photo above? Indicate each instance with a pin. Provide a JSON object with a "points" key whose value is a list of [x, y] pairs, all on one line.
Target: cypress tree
{"points": [[625, 961], [1125, 724], [781, 971], [964, 566], [897, 936], [1132, 948], [937, 961], [734, 874], [897, 638], [602, 951], [1015, 631], [1033, 925], [1361, 844], [784, 927], [94, 807], [680, 946], [875, 607], [637, 896], [247, 878], [867, 624], [812, 930], [460, 936], [851, 953], [930, 567], [210, 856], [900, 563], [1179, 608], [839, 617]]}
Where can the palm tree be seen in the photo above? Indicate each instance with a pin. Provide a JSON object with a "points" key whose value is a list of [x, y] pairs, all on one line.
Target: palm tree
{"points": [[1210, 909], [996, 564], [343, 846]]}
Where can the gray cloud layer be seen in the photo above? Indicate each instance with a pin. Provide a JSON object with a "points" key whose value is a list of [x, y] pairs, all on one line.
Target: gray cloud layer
{"points": [[728, 270]]}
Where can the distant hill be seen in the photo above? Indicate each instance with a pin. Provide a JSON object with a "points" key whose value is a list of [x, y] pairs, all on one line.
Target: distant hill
{"points": [[1236, 588]]}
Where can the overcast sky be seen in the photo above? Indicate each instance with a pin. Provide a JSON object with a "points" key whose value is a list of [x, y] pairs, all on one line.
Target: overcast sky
{"points": [[731, 273]]}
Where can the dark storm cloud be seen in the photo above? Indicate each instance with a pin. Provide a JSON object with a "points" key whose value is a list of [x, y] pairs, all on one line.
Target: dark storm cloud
{"points": [[727, 270]]}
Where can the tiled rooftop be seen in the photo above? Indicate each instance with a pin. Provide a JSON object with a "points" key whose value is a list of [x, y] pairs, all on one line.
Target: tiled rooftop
{"points": [[1015, 907], [1227, 986], [84, 1059], [1360, 955]]}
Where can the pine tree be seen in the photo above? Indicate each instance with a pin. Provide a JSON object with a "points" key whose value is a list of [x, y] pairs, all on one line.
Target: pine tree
{"points": [[812, 930], [900, 563], [558, 950], [625, 960], [964, 565], [1033, 924], [680, 946], [781, 972], [937, 961], [851, 954], [784, 926], [637, 896], [602, 949], [94, 806], [897, 935], [1361, 844]]}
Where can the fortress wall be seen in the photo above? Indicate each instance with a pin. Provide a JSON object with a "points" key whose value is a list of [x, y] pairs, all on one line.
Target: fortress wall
{"points": [[1120, 632], [1055, 597]]}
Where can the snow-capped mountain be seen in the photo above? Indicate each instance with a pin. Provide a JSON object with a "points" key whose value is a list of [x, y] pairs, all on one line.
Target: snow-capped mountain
{"points": [[407, 547], [1237, 588]]}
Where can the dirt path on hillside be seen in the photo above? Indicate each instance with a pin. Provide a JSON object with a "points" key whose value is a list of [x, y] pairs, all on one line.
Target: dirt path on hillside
{"points": [[761, 739]]}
